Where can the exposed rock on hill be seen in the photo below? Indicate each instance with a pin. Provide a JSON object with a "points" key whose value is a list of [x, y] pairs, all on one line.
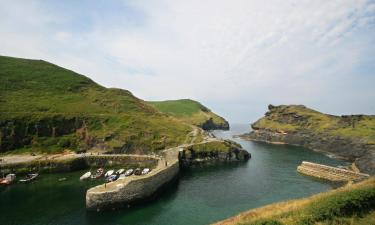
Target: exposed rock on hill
{"points": [[44, 107], [350, 136], [213, 151]]}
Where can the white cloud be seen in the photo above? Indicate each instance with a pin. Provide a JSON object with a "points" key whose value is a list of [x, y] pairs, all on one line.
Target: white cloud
{"points": [[218, 52]]}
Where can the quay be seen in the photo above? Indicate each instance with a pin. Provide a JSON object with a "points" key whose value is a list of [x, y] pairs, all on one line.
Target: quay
{"points": [[329, 172], [124, 192]]}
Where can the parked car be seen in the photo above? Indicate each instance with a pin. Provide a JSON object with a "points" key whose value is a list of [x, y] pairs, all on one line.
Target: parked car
{"points": [[145, 171], [138, 171], [129, 172]]}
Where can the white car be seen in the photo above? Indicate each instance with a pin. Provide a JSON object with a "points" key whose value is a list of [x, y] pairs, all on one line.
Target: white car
{"points": [[109, 173], [145, 171], [120, 171], [129, 172]]}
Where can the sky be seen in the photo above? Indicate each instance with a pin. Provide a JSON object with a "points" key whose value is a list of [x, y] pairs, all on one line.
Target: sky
{"points": [[234, 56]]}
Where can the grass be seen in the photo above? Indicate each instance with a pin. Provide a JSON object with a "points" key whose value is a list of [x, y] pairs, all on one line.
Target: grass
{"points": [[189, 111], [217, 146], [47, 108], [354, 204], [290, 118]]}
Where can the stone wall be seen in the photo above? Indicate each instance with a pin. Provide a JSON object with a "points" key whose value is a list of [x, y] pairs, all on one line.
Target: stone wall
{"points": [[79, 162], [131, 189], [329, 172], [120, 160]]}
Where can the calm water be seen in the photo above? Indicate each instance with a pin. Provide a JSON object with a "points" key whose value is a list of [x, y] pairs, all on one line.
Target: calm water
{"points": [[202, 196]]}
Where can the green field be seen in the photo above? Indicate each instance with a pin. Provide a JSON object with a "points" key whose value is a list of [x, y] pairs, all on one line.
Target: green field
{"points": [[44, 107], [190, 111]]}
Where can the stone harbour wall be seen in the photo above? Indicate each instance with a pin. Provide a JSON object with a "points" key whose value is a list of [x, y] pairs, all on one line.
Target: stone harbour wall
{"points": [[329, 172], [131, 189]]}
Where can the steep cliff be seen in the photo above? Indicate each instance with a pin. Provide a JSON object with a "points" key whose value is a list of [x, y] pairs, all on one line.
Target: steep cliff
{"points": [[192, 112], [44, 107], [351, 137]]}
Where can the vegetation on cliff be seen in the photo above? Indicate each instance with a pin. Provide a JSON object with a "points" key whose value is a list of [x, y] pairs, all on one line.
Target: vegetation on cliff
{"points": [[353, 204], [290, 118], [192, 112], [350, 137], [211, 151], [44, 107]]}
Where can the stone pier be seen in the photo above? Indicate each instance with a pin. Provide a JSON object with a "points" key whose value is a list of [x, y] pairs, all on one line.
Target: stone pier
{"points": [[329, 172], [131, 189]]}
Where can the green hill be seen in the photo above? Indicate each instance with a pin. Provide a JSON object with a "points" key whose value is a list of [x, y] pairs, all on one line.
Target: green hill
{"points": [[192, 112], [349, 136], [44, 107], [352, 204]]}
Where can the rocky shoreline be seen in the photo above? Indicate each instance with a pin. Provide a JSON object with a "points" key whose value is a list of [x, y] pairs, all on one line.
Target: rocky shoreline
{"points": [[348, 149], [296, 125]]}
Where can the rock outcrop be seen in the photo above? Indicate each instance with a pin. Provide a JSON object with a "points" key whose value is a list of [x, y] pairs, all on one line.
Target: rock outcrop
{"points": [[349, 137], [211, 125], [211, 152]]}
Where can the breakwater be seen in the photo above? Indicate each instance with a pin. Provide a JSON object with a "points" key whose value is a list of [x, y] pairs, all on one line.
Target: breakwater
{"points": [[329, 172], [126, 191]]}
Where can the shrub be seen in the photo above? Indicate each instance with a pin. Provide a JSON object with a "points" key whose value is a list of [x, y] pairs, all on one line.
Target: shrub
{"points": [[267, 222], [355, 202], [64, 142]]}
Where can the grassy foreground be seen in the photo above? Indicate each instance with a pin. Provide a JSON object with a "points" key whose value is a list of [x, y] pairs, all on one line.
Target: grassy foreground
{"points": [[352, 204], [191, 112], [46, 108]]}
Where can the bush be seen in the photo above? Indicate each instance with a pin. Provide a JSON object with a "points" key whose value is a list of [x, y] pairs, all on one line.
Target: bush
{"points": [[267, 222], [64, 142], [355, 202]]}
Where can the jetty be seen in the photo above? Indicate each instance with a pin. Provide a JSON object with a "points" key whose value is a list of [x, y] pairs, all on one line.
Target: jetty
{"points": [[329, 172], [124, 192]]}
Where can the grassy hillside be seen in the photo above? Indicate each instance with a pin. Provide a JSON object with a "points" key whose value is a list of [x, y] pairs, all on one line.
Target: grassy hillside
{"points": [[354, 204], [44, 107], [192, 112], [351, 137], [291, 118]]}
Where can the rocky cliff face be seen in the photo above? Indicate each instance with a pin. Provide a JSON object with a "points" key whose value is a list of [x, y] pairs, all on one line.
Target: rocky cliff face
{"points": [[46, 108], [24, 131], [217, 151], [211, 125], [348, 137]]}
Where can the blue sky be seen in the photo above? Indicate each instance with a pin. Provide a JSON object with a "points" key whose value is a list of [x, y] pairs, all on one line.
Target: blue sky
{"points": [[236, 57]]}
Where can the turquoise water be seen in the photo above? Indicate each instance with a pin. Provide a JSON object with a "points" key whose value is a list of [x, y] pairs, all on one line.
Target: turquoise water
{"points": [[202, 195]]}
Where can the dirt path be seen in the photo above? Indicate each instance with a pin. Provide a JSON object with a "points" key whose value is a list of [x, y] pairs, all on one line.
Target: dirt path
{"points": [[22, 158]]}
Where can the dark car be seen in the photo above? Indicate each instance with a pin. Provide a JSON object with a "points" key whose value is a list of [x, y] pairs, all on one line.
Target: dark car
{"points": [[138, 171]]}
